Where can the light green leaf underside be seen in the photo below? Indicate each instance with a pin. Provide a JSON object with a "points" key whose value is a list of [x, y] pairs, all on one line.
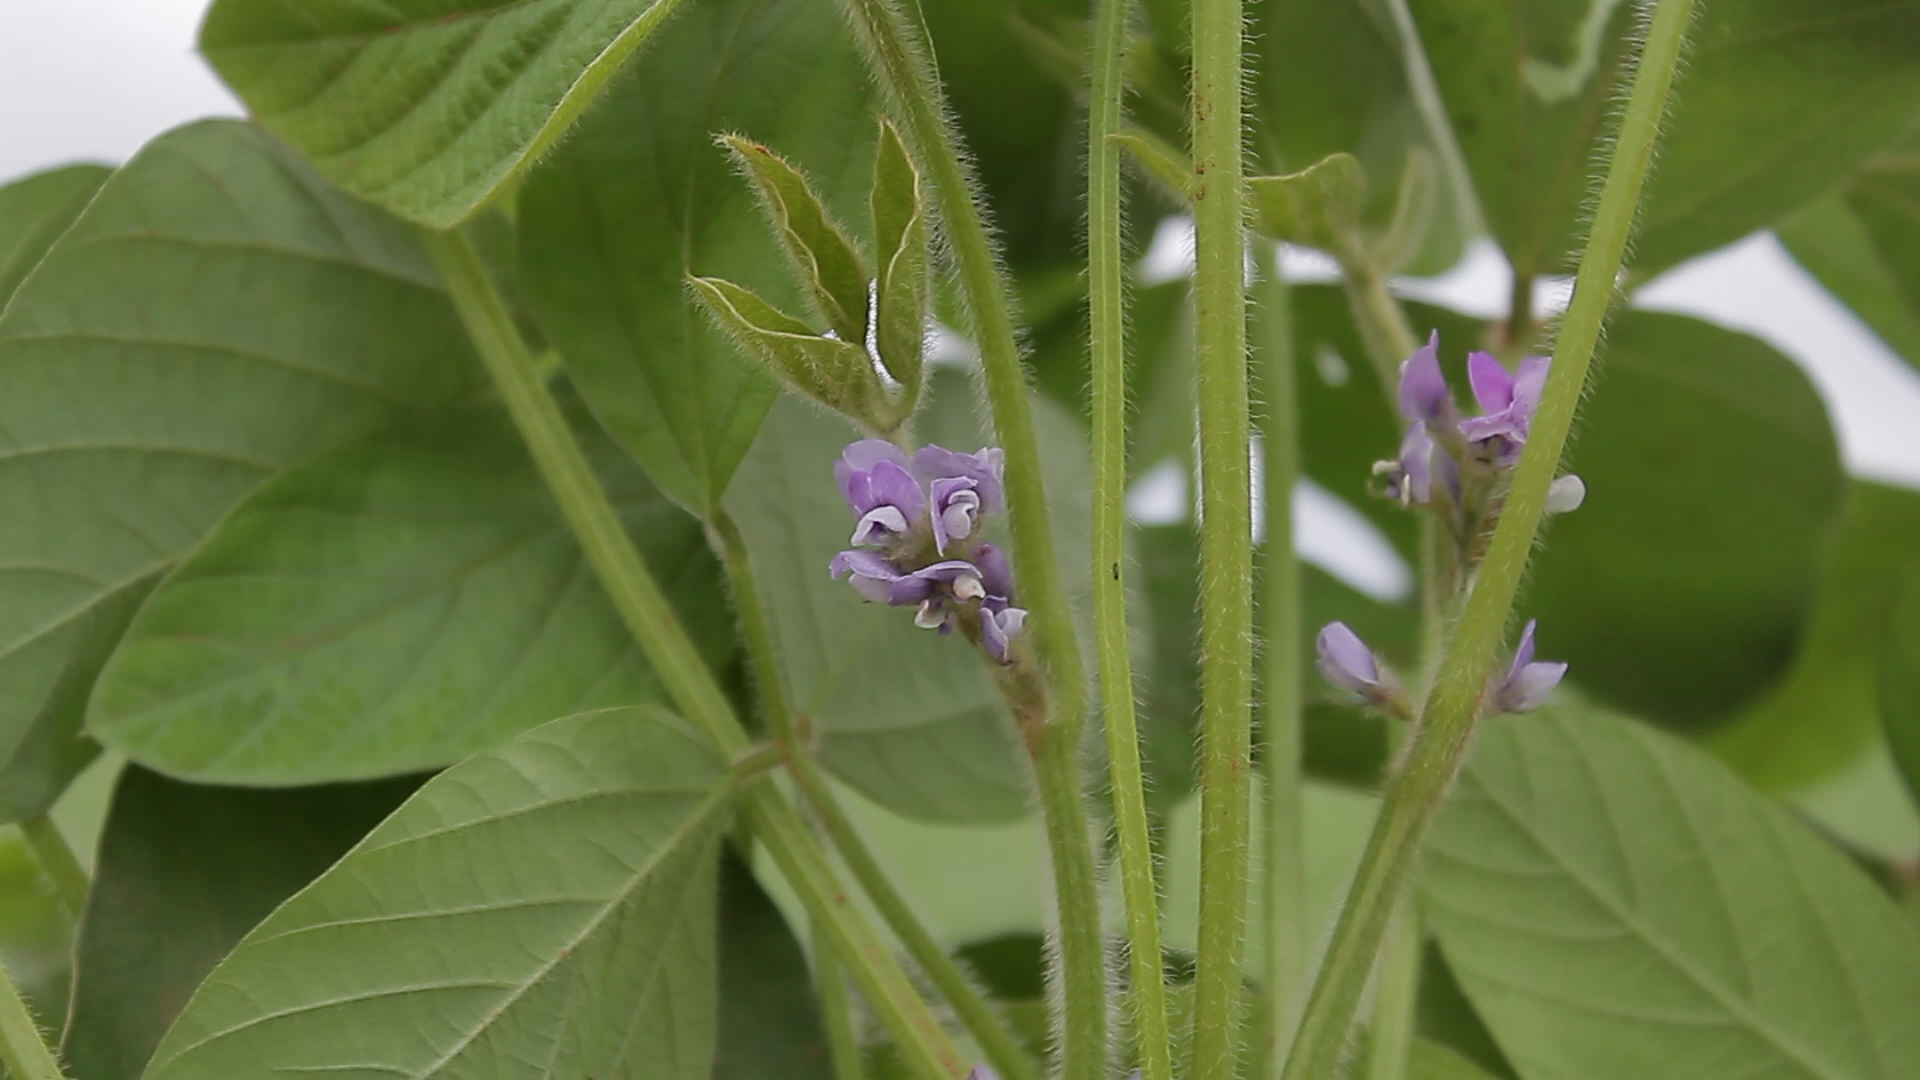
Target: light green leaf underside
{"points": [[640, 197], [423, 107], [34, 211], [542, 910], [1617, 904], [183, 872], [391, 606], [216, 314]]}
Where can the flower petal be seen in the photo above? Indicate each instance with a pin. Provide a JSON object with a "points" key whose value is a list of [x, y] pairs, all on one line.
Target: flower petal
{"points": [[1492, 385], [998, 629], [861, 456], [1423, 389], [1530, 687], [1345, 660], [995, 572]]}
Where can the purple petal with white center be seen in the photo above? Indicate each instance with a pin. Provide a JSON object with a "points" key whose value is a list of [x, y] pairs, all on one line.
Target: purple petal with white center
{"points": [[956, 509], [883, 496], [872, 576], [934, 463], [941, 579], [998, 629], [1528, 682], [1423, 389], [1345, 660]]}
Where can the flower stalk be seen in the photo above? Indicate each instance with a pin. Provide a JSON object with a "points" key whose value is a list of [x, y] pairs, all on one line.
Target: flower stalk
{"points": [[1226, 543], [897, 49], [58, 861], [775, 821], [1447, 720]]}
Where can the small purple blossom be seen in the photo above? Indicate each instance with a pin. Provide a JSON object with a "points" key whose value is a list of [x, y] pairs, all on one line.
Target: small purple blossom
{"points": [[961, 489], [1508, 402], [995, 573], [1346, 662], [1409, 478], [875, 479], [1528, 682], [1424, 397], [998, 628], [871, 575]]}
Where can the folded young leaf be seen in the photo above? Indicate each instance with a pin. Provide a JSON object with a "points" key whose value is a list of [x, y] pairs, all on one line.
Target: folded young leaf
{"points": [[216, 314], [394, 605], [548, 902], [838, 374], [1318, 206], [183, 872], [1616, 903], [901, 286], [830, 270], [418, 108]]}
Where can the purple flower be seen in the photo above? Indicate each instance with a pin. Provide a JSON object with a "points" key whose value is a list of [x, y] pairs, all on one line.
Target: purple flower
{"points": [[1528, 682], [874, 479], [998, 627], [1423, 389], [872, 576], [1410, 476], [995, 573], [1345, 661], [962, 488], [1508, 402]]}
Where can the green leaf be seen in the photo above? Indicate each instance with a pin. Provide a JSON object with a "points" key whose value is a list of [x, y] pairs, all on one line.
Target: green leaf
{"points": [[1681, 586], [1432, 1061], [1824, 712], [909, 718], [640, 197], [216, 314], [770, 1024], [1445, 1018], [183, 872], [836, 373], [902, 287], [394, 605], [1829, 239], [36, 938], [548, 906], [424, 108], [830, 270], [34, 212], [1318, 206], [1781, 100], [1900, 676], [1618, 904]]}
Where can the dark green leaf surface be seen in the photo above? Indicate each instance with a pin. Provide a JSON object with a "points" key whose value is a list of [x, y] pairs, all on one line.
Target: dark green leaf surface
{"points": [[1433, 1061], [1863, 244], [545, 908], [34, 211], [1900, 675], [183, 872], [640, 197], [909, 718], [1681, 586], [215, 315], [1617, 905], [1781, 100], [425, 107], [1819, 717], [391, 606], [769, 1023]]}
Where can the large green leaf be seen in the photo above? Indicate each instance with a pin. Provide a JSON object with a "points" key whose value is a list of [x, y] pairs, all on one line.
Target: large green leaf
{"points": [[216, 314], [1681, 586], [909, 718], [1900, 675], [394, 605], [183, 872], [1781, 100], [1618, 904], [1820, 716], [34, 212], [770, 1025], [424, 107], [545, 908], [640, 197]]}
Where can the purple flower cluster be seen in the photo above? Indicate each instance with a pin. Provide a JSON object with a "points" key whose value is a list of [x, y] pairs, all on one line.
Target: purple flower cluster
{"points": [[1441, 445], [1346, 662], [916, 527]]}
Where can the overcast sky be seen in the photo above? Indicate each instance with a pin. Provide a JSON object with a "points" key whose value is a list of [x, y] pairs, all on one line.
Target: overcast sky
{"points": [[94, 79]]}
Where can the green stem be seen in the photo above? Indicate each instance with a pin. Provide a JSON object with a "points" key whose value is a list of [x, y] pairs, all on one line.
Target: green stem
{"points": [[58, 860], [776, 822], [1447, 720], [1384, 329], [1433, 116], [1226, 541], [1106, 293], [23, 1049], [1286, 958], [1003, 1051], [900, 55], [836, 1011], [1396, 996]]}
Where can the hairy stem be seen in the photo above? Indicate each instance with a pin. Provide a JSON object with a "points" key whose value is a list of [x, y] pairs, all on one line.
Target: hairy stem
{"points": [[1226, 541], [775, 821], [1447, 719], [897, 48], [1286, 956], [1396, 996], [1106, 294], [836, 1010], [57, 860], [1003, 1051], [22, 1048]]}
